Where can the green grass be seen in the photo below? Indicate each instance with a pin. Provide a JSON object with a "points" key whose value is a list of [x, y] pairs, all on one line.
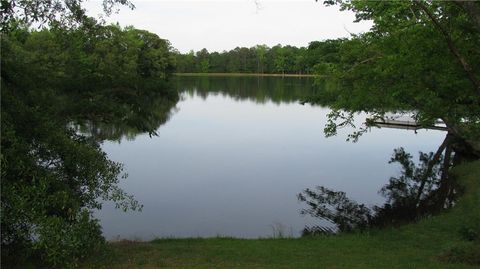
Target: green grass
{"points": [[433, 242], [240, 75]]}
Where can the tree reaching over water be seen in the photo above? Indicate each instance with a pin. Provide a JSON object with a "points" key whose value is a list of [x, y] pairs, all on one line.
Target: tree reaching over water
{"points": [[419, 56], [75, 71]]}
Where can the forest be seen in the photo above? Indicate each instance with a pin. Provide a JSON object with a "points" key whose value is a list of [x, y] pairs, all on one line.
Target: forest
{"points": [[261, 59]]}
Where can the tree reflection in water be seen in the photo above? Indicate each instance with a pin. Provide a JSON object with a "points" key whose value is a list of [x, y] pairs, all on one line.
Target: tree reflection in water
{"points": [[126, 113], [423, 188]]}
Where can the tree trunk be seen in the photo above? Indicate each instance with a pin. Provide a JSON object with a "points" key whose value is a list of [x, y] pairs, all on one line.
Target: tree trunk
{"points": [[453, 49], [435, 159], [458, 133]]}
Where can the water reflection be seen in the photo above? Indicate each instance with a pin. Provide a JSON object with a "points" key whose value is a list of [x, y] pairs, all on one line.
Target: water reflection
{"points": [[422, 188], [126, 113], [232, 157], [257, 89], [118, 114]]}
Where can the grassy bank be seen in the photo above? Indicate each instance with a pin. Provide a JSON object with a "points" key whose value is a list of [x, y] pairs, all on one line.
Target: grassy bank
{"points": [[429, 243], [240, 75]]}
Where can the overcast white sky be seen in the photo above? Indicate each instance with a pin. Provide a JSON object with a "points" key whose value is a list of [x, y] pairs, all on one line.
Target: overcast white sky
{"points": [[224, 25]]}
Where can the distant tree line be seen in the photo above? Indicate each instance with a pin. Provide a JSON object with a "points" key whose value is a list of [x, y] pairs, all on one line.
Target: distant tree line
{"points": [[260, 59]]}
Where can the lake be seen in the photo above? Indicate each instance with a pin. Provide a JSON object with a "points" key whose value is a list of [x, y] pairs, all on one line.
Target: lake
{"points": [[234, 154]]}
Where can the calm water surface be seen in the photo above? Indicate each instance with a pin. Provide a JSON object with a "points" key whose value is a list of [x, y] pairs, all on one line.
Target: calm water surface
{"points": [[234, 155]]}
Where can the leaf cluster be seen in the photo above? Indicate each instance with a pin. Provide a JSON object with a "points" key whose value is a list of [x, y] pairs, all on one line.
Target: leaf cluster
{"points": [[54, 81], [419, 56]]}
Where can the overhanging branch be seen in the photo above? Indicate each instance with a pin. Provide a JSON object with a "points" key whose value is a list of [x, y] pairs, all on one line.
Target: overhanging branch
{"points": [[453, 49]]}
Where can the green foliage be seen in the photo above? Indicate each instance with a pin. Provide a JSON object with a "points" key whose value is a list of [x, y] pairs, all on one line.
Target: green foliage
{"points": [[419, 56], [55, 13], [258, 59], [465, 252], [63, 242], [469, 233], [53, 177]]}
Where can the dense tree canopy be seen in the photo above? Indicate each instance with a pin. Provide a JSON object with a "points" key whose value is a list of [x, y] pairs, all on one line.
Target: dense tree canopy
{"points": [[259, 59], [419, 56], [55, 82], [50, 12]]}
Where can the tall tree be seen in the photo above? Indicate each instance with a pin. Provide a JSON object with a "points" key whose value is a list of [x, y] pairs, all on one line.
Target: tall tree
{"points": [[420, 56], [261, 51], [51, 80]]}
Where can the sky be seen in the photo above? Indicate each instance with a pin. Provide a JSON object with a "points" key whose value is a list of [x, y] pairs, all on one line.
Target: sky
{"points": [[224, 25]]}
